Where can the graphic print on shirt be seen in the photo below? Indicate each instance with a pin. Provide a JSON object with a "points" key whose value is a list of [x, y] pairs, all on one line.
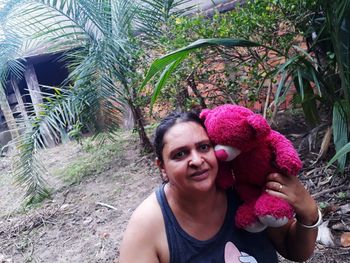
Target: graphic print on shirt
{"points": [[233, 255]]}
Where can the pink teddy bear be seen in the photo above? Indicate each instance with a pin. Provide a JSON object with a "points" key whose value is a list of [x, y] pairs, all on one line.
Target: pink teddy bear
{"points": [[248, 150]]}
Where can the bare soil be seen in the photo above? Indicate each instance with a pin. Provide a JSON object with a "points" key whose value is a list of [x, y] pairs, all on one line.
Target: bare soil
{"points": [[84, 222]]}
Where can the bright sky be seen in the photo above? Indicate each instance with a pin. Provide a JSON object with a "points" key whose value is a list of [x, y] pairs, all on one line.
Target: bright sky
{"points": [[2, 3]]}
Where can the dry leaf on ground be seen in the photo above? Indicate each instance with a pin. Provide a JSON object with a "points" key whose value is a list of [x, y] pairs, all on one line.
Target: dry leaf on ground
{"points": [[345, 239]]}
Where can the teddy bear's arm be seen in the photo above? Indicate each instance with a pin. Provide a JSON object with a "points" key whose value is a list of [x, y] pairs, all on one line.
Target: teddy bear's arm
{"points": [[286, 157]]}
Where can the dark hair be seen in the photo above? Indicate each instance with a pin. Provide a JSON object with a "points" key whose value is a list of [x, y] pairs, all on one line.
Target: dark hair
{"points": [[168, 122]]}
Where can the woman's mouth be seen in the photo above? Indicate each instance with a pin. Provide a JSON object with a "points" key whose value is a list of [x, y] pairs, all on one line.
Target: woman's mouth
{"points": [[200, 174]]}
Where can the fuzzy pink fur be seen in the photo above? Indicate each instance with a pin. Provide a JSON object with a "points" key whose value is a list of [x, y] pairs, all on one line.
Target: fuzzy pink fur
{"points": [[263, 151]]}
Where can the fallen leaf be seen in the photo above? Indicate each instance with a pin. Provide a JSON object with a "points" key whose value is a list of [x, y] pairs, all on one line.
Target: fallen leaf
{"points": [[340, 227], [104, 235], [87, 221], [345, 239], [330, 209], [345, 208]]}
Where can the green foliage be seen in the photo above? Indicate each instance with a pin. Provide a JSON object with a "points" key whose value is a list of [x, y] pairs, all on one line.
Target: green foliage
{"points": [[58, 113], [266, 22], [343, 195], [104, 58], [340, 132], [256, 21], [320, 73], [75, 133], [155, 13], [95, 162], [169, 62]]}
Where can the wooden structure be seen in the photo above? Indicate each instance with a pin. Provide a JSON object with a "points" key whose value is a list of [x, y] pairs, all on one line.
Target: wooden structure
{"points": [[23, 96]]}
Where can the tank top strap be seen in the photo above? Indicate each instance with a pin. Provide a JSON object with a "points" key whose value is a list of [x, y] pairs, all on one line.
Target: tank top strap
{"points": [[163, 202]]}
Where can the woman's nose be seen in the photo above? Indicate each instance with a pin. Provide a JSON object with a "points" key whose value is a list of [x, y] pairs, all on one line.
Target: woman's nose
{"points": [[196, 159]]}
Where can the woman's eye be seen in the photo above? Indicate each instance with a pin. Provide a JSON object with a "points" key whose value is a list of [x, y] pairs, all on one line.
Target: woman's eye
{"points": [[179, 155], [204, 147]]}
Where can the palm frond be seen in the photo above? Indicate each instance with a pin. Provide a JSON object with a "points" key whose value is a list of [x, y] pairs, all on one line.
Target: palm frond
{"points": [[341, 113], [102, 53], [155, 13], [341, 154], [60, 112]]}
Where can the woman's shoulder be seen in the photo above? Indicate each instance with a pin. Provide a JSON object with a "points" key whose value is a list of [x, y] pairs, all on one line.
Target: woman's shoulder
{"points": [[144, 234], [148, 212]]}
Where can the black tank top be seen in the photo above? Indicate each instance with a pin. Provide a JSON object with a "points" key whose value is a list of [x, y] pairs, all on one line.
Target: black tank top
{"points": [[229, 245]]}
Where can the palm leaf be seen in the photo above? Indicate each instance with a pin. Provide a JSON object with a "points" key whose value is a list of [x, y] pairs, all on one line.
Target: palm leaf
{"points": [[161, 63], [300, 83], [340, 127], [103, 56], [341, 154], [93, 74], [162, 80], [154, 13]]}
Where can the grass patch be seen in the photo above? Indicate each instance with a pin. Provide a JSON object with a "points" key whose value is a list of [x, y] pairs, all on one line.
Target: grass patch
{"points": [[95, 160]]}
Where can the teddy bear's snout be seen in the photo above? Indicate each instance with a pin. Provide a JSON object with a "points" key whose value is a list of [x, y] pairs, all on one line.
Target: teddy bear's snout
{"points": [[226, 153]]}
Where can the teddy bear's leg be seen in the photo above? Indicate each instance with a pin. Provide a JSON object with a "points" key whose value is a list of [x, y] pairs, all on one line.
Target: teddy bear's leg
{"points": [[246, 218], [273, 211]]}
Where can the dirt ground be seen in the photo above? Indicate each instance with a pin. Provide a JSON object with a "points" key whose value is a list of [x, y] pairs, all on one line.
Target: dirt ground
{"points": [[84, 222]]}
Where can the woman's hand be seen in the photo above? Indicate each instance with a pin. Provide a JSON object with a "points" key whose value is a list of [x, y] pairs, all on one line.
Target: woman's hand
{"points": [[293, 241], [291, 189]]}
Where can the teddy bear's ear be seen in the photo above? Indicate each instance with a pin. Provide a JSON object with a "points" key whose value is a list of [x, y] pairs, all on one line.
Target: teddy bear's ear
{"points": [[259, 124], [204, 113]]}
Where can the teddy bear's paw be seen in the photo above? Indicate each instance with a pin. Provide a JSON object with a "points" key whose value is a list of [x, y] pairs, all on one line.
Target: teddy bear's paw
{"points": [[272, 206], [246, 219], [255, 227], [290, 166], [272, 221]]}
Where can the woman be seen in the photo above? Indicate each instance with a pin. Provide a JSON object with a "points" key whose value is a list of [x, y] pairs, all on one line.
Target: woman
{"points": [[189, 219]]}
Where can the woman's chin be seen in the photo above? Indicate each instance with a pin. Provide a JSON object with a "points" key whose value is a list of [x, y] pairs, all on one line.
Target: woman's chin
{"points": [[203, 184]]}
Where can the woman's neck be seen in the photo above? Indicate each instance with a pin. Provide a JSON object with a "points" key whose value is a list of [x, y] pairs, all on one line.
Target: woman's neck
{"points": [[202, 215]]}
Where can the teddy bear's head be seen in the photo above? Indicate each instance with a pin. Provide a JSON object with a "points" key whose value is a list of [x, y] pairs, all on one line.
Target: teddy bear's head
{"points": [[235, 126]]}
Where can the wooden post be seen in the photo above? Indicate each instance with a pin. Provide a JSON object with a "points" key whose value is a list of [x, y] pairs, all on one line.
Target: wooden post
{"points": [[37, 100], [34, 89], [5, 108], [19, 99]]}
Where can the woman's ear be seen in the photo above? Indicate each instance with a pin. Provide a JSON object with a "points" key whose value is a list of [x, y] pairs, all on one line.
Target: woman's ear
{"points": [[159, 163], [163, 175]]}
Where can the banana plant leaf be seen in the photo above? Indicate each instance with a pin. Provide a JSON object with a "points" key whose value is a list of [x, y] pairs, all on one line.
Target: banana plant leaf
{"points": [[169, 62]]}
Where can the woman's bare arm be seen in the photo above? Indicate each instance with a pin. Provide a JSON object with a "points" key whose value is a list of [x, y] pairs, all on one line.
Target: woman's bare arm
{"points": [[293, 241], [140, 241]]}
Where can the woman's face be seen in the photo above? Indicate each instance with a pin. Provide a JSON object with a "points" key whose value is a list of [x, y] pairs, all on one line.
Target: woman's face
{"points": [[189, 161]]}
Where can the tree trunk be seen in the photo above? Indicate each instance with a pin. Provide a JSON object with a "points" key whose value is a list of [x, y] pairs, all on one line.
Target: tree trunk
{"points": [[128, 118], [181, 97], [5, 108], [19, 99], [37, 100], [191, 82], [145, 142]]}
